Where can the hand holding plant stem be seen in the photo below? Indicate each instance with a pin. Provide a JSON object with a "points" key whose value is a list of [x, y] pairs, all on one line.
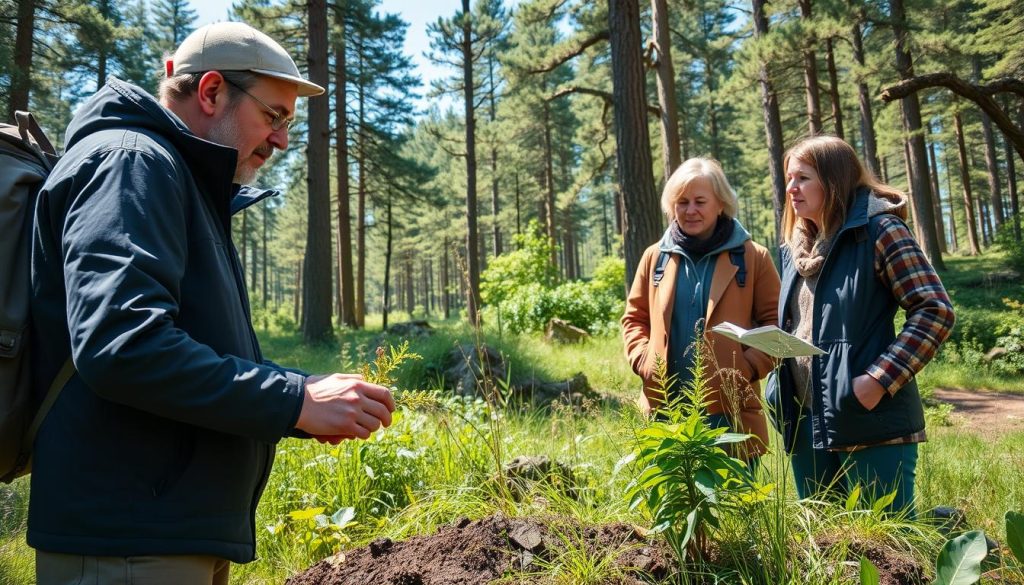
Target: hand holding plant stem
{"points": [[369, 394]]}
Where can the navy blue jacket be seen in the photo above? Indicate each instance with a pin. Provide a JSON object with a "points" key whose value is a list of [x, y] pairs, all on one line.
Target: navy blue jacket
{"points": [[853, 323], [162, 442]]}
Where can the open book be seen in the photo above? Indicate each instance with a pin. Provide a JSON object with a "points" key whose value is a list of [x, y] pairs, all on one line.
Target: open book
{"points": [[769, 339]]}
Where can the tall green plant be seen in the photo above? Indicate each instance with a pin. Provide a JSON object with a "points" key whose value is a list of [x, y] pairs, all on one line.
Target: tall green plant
{"points": [[687, 480]]}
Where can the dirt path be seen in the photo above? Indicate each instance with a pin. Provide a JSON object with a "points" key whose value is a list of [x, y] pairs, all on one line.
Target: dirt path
{"points": [[990, 413]]}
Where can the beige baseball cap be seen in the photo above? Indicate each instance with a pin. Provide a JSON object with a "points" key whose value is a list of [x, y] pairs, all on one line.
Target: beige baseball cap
{"points": [[236, 46]]}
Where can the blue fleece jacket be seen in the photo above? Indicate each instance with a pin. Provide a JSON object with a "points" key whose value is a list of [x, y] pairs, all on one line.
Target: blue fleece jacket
{"points": [[163, 440]]}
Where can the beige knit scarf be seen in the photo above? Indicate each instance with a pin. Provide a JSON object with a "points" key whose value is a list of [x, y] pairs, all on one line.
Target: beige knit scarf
{"points": [[809, 249]]}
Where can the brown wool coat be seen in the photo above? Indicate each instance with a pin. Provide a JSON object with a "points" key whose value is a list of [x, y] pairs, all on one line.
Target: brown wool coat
{"points": [[645, 328]]}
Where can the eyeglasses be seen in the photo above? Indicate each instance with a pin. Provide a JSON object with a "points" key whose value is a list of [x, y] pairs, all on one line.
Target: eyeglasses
{"points": [[277, 121]]}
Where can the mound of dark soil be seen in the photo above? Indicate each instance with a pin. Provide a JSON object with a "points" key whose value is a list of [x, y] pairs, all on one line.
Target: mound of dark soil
{"points": [[471, 552], [894, 567]]}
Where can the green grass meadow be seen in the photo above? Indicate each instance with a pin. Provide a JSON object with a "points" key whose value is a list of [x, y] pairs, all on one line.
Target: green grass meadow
{"points": [[441, 461]]}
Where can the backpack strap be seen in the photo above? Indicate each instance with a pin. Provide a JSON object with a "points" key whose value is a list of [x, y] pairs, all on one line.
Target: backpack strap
{"points": [[28, 127], [736, 256], [659, 268], [61, 380]]}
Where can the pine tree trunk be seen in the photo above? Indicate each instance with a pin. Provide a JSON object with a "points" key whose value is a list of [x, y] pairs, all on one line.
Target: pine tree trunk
{"points": [[709, 81], [833, 88], [952, 209], [921, 189], [494, 166], [21, 74], [915, 217], [345, 280], [410, 288], [254, 262], [361, 202], [245, 242], [991, 158], [867, 120], [569, 237], [428, 284], [445, 300], [811, 74], [641, 215], [772, 122], [473, 259], [316, 313], [1011, 181], [940, 227], [385, 301], [965, 178], [666, 88], [297, 293], [606, 242], [104, 49], [549, 188], [263, 273]]}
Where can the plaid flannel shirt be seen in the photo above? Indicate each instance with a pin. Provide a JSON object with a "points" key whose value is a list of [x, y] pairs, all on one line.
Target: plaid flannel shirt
{"points": [[902, 265]]}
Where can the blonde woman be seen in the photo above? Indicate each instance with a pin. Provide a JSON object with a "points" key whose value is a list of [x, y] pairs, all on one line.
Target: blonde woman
{"points": [[853, 416], [704, 271]]}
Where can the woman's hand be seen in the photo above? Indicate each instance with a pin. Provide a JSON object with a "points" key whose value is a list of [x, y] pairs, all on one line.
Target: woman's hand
{"points": [[868, 391]]}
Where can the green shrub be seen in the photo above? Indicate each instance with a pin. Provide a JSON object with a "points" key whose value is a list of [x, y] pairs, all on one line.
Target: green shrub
{"points": [[509, 274], [519, 290]]}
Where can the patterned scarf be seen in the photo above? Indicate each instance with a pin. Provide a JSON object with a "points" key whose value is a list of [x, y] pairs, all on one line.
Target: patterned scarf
{"points": [[697, 248], [809, 249]]}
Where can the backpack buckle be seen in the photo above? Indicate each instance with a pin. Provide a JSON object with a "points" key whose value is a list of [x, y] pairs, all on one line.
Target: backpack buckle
{"points": [[9, 343]]}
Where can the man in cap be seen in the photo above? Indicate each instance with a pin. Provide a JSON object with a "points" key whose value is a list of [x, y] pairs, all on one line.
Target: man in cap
{"points": [[151, 462]]}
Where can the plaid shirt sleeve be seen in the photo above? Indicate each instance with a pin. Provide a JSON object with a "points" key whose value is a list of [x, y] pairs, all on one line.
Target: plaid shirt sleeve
{"points": [[901, 264]]}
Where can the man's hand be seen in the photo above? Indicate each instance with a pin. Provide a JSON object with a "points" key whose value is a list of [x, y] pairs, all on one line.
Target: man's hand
{"points": [[343, 406], [868, 391]]}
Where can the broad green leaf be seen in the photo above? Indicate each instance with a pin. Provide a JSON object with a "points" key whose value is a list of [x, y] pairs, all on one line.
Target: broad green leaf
{"points": [[1015, 534], [691, 521], [343, 517], [959, 561], [307, 514], [705, 482], [882, 503], [729, 438], [626, 460], [868, 572], [851, 503]]}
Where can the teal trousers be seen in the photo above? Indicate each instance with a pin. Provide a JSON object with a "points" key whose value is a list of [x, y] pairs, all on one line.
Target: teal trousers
{"points": [[878, 470]]}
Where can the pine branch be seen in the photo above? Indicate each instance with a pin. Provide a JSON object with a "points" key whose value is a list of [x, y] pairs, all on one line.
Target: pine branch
{"points": [[572, 52]]}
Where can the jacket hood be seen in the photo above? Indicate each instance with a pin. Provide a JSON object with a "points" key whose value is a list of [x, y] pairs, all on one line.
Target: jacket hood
{"points": [[123, 105], [739, 235], [867, 204], [879, 204]]}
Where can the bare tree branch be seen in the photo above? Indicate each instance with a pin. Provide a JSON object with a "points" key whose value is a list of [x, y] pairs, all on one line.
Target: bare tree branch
{"points": [[606, 96], [979, 94], [575, 51]]}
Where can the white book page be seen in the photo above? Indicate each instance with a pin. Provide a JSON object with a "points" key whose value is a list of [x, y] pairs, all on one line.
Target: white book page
{"points": [[769, 339]]}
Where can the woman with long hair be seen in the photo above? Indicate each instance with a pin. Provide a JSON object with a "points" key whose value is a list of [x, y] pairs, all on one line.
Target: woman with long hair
{"points": [[853, 416], [704, 271]]}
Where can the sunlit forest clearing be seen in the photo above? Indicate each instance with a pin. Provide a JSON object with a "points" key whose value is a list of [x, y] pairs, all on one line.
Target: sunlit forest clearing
{"points": [[446, 239]]}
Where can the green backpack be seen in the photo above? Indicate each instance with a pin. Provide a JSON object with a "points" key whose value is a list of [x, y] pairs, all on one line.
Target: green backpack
{"points": [[26, 158]]}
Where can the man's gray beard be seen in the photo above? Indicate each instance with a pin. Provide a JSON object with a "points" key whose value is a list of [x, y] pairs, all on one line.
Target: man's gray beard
{"points": [[226, 133]]}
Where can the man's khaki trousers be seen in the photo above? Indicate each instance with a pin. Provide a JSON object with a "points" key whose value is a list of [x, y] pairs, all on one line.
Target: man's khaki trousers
{"points": [[61, 569]]}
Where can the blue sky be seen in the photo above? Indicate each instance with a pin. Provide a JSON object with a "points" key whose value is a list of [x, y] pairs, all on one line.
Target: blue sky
{"points": [[416, 12]]}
